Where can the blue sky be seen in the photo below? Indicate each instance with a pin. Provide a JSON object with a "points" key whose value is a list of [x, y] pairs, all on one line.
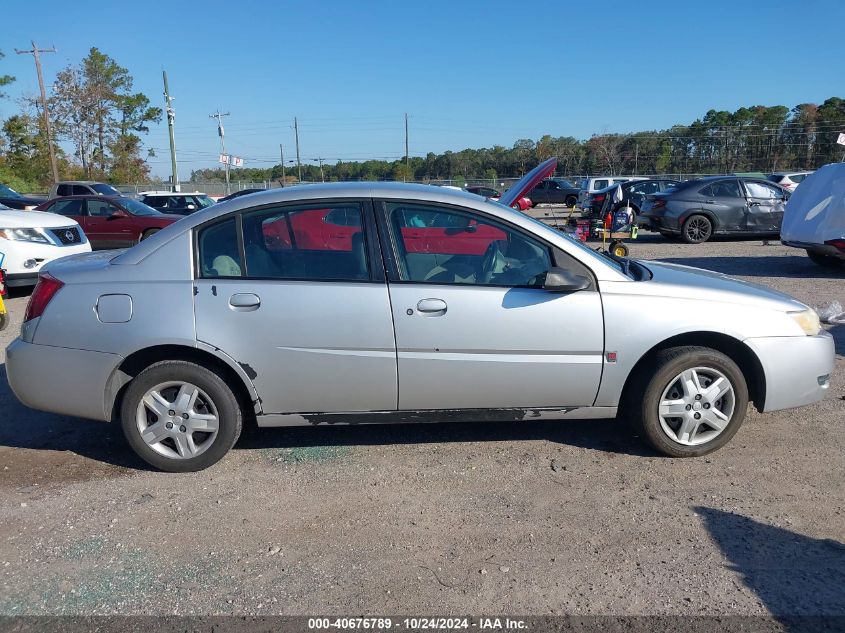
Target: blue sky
{"points": [[469, 74]]}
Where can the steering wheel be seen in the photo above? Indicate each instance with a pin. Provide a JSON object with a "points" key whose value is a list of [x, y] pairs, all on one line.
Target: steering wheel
{"points": [[493, 259]]}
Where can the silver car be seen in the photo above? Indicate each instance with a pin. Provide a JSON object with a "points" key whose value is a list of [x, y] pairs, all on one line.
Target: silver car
{"points": [[374, 302]]}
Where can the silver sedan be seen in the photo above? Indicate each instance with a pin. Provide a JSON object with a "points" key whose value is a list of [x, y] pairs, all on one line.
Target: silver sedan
{"points": [[375, 302]]}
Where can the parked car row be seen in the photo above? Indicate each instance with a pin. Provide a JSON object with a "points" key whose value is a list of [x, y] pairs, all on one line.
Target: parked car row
{"points": [[453, 307]]}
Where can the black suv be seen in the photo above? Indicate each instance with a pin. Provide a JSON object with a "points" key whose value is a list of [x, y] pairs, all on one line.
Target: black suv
{"points": [[555, 191], [176, 203]]}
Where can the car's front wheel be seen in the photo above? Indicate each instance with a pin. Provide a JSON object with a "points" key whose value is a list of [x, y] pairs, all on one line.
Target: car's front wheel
{"points": [[571, 201], [180, 417], [693, 403]]}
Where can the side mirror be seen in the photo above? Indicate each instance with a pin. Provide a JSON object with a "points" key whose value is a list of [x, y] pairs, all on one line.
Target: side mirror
{"points": [[562, 280], [117, 214]]}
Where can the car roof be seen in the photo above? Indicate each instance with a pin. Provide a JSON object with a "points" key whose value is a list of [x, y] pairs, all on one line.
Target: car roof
{"points": [[82, 182], [171, 193]]}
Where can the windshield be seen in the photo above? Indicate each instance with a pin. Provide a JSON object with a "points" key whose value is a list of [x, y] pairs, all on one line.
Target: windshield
{"points": [[138, 208], [8, 192], [204, 201], [105, 190]]}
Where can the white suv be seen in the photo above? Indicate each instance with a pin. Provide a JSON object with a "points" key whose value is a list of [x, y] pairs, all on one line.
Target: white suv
{"points": [[30, 239], [789, 180], [591, 184]]}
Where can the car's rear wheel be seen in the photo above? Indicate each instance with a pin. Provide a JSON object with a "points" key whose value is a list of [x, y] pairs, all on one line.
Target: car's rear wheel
{"points": [[825, 261], [180, 417], [693, 403], [570, 201], [697, 229]]}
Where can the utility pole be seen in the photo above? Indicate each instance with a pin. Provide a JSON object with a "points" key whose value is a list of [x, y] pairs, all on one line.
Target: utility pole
{"points": [[636, 157], [171, 116], [222, 133], [407, 159], [320, 160], [36, 53], [298, 163], [282, 152]]}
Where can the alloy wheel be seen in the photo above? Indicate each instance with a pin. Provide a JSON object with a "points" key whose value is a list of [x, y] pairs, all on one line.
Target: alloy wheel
{"points": [[698, 229]]}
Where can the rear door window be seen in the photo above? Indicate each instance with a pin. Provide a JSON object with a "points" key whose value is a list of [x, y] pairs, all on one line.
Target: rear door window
{"points": [[64, 190], [600, 184], [306, 242], [80, 190], [67, 207], [722, 189]]}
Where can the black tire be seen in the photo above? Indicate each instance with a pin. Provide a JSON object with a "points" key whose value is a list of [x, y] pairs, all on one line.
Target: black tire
{"points": [[825, 261], [571, 201], [148, 233], [618, 249], [643, 398], [697, 229], [229, 414]]}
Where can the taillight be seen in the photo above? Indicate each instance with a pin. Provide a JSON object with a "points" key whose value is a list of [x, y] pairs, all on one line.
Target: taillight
{"points": [[45, 290], [598, 198], [840, 244], [3, 291], [658, 204]]}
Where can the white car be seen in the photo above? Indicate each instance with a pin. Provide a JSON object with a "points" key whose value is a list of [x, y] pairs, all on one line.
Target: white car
{"points": [[789, 180], [30, 239]]}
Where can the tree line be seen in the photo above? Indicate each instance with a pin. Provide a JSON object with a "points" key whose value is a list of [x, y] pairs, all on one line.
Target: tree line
{"points": [[95, 110], [750, 139]]}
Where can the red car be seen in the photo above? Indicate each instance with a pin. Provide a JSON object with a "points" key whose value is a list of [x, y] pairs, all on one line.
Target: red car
{"points": [[111, 221], [521, 204]]}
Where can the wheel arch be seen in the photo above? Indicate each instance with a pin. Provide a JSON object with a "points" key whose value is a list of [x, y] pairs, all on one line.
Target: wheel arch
{"points": [[234, 376], [686, 215], [733, 348]]}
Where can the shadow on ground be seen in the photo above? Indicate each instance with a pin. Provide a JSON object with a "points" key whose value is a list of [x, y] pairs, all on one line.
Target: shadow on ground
{"points": [[792, 574], [792, 266], [25, 428]]}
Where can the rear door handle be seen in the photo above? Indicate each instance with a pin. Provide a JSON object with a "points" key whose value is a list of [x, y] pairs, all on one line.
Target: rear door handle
{"points": [[245, 302], [430, 306]]}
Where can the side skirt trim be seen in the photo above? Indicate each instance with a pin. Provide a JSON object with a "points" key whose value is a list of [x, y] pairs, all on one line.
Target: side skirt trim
{"points": [[437, 415]]}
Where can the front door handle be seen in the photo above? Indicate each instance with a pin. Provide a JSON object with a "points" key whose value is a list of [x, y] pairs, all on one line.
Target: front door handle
{"points": [[245, 302], [432, 306]]}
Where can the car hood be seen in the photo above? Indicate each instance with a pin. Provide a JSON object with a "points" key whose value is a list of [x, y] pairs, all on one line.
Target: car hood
{"points": [[33, 219], [530, 180], [686, 282]]}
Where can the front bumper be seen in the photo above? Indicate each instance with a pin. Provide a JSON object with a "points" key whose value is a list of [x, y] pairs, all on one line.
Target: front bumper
{"points": [[60, 380], [795, 367], [16, 255]]}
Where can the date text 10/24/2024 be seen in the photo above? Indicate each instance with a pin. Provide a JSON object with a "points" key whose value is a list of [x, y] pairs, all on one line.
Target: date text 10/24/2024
{"points": [[417, 624]]}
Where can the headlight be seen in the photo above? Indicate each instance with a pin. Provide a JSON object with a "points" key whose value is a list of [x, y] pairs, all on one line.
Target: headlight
{"points": [[24, 235], [808, 321]]}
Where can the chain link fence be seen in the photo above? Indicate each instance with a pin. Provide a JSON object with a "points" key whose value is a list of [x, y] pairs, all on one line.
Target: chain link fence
{"points": [[218, 189]]}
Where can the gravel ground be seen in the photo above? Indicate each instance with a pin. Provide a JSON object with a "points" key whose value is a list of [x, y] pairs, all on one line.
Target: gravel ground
{"points": [[533, 518]]}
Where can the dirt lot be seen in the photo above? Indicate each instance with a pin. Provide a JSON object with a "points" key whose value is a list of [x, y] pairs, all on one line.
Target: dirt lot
{"points": [[531, 518]]}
